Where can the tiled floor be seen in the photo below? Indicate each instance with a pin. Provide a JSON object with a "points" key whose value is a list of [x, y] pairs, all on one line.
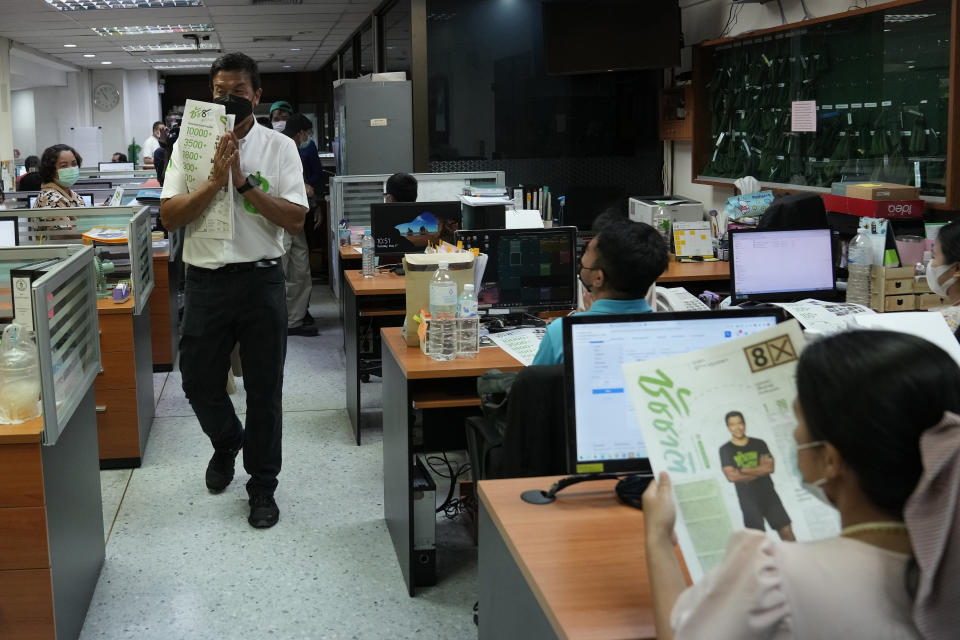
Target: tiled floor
{"points": [[183, 563]]}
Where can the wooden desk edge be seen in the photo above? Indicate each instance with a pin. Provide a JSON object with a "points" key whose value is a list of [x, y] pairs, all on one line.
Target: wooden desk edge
{"points": [[109, 307], [348, 252], [379, 285], [28, 432], [458, 368]]}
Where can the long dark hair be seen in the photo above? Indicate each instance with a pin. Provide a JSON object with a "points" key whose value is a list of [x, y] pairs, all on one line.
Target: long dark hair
{"points": [[949, 237], [871, 394]]}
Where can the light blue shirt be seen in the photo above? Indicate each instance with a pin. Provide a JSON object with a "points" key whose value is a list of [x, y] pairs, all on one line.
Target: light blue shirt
{"points": [[551, 348]]}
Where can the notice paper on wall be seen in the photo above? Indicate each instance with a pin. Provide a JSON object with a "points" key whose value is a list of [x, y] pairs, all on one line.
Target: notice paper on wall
{"points": [[200, 131], [804, 116], [682, 403]]}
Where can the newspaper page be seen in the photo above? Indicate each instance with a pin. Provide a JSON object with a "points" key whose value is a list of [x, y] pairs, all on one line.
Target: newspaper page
{"points": [[200, 131], [822, 317], [682, 405]]}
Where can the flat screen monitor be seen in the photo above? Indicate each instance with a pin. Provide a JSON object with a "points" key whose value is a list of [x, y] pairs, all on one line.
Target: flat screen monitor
{"points": [[603, 433], [93, 184], [86, 197], [781, 266], [117, 169], [589, 36], [9, 234], [407, 227], [527, 269]]}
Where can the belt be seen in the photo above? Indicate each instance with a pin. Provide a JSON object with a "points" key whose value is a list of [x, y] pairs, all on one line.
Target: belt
{"points": [[236, 267]]}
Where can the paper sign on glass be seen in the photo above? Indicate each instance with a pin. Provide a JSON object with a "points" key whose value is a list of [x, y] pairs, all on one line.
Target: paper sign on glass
{"points": [[203, 125], [720, 421], [804, 116]]}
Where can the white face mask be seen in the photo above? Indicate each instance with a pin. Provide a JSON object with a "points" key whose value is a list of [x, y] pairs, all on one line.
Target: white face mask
{"points": [[815, 488], [933, 278], [279, 125]]}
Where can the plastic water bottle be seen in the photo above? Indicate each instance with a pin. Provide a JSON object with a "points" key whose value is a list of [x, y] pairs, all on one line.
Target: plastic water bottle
{"points": [[469, 323], [859, 250], [366, 245], [442, 336], [858, 268], [661, 222]]}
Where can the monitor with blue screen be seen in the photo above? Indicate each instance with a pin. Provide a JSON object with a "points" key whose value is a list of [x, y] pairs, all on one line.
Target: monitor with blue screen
{"points": [[602, 429]]}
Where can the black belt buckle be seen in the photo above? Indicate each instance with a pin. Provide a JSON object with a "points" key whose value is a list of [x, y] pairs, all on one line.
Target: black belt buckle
{"points": [[263, 264]]}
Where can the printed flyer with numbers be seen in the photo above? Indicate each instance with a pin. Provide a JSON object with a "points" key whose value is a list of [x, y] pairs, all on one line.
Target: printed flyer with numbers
{"points": [[200, 131], [720, 421]]}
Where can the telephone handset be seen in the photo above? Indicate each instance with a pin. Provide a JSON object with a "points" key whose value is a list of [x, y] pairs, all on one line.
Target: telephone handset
{"points": [[678, 299]]}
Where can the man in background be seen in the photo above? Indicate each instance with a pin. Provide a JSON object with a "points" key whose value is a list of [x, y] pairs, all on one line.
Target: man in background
{"points": [[296, 256], [747, 463], [118, 157], [400, 187], [153, 143], [280, 112], [30, 181]]}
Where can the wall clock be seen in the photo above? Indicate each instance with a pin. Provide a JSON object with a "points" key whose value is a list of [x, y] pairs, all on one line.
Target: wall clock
{"points": [[106, 97]]}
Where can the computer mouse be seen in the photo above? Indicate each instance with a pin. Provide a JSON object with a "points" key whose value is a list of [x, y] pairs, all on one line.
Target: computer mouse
{"points": [[630, 489]]}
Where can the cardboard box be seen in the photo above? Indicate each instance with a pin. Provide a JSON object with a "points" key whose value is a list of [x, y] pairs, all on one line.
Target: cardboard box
{"points": [[873, 208], [420, 268], [882, 191]]}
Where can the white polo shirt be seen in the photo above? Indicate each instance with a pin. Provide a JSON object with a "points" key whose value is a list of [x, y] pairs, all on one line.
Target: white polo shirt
{"points": [[151, 145], [264, 152]]}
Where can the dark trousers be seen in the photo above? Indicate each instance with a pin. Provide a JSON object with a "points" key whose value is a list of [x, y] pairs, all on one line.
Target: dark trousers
{"points": [[222, 309]]}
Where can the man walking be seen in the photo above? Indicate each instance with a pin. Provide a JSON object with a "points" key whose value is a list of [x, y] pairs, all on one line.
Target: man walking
{"points": [[235, 288]]}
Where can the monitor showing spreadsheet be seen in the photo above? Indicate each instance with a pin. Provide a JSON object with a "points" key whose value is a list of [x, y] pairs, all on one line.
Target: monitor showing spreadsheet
{"points": [[602, 429], [781, 266]]}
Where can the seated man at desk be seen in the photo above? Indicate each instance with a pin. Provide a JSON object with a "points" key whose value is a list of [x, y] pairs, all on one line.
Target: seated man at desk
{"points": [[400, 187], [618, 267]]}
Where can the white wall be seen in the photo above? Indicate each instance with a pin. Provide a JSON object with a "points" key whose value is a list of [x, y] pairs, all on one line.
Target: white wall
{"points": [[703, 22], [6, 124], [24, 123]]}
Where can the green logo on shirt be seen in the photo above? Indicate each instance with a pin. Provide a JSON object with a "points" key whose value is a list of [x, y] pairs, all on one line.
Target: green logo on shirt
{"points": [[265, 186], [746, 459]]}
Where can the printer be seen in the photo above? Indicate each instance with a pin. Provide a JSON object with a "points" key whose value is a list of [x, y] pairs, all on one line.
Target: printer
{"points": [[679, 208]]}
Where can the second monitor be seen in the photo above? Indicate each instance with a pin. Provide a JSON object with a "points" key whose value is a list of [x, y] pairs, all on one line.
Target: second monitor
{"points": [[527, 269], [407, 227]]}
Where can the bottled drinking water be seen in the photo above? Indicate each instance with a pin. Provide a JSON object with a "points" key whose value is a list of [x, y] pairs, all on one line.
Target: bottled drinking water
{"points": [[366, 245], [859, 250], [661, 222], [469, 323], [442, 334], [858, 268]]}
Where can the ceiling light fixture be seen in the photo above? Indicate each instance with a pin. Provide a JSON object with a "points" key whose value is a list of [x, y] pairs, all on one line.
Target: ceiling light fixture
{"points": [[167, 67], [295, 49], [158, 29], [169, 46], [105, 62], [90, 5], [175, 60], [89, 55], [70, 46]]}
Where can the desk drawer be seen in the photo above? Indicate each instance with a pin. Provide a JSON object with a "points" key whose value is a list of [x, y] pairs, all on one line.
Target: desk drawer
{"points": [[26, 605], [21, 475], [118, 431], [119, 371], [116, 332], [23, 538]]}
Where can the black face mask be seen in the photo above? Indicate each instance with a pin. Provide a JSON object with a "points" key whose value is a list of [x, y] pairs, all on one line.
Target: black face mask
{"points": [[236, 106]]}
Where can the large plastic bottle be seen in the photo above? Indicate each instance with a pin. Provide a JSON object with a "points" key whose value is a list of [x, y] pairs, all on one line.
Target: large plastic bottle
{"points": [[468, 324], [19, 376], [858, 267], [661, 222], [859, 250], [442, 336], [366, 245]]}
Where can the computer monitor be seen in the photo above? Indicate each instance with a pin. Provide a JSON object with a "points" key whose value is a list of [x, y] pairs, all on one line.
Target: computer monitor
{"points": [[603, 433], [94, 184], [9, 233], [407, 227], [781, 266], [527, 269], [116, 168], [21, 171]]}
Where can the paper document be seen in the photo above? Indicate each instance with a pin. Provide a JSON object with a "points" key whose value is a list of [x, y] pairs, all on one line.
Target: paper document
{"points": [[523, 219], [200, 131], [803, 116], [824, 317], [358, 249], [522, 344], [474, 201], [929, 325], [722, 478]]}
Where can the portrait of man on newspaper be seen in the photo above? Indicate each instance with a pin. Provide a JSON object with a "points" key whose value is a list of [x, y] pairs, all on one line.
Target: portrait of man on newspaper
{"points": [[748, 464]]}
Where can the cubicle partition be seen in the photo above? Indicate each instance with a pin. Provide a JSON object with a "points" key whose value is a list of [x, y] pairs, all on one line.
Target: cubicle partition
{"points": [[52, 529], [351, 197]]}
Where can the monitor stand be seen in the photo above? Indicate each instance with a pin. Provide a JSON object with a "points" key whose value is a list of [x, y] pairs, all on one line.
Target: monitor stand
{"points": [[515, 319]]}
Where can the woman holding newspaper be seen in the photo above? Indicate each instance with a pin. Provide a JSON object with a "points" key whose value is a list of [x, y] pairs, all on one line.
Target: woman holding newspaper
{"points": [[889, 461]]}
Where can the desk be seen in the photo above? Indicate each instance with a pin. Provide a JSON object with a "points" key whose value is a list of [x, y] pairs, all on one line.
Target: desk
{"points": [[572, 569], [412, 381], [51, 527], [382, 300], [124, 388], [349, 259], [164, 312], [694, 271]]}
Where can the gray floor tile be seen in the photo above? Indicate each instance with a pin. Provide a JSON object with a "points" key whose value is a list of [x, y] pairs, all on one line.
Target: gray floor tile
{"points": [[182, 563]]}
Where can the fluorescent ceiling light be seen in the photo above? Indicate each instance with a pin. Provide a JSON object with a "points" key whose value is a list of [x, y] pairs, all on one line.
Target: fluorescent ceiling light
{"points": [[87, 5], [89, 55], [106, 62], [166, 67], [168, 46], [70, 46], [906, 17], [157, 29], [286, 66], [176, 59]]}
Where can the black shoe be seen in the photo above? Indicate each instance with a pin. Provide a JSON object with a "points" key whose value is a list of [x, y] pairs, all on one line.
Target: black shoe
{"points": [[307, 320], [220, 469], [302, 330], [264, 512]]}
